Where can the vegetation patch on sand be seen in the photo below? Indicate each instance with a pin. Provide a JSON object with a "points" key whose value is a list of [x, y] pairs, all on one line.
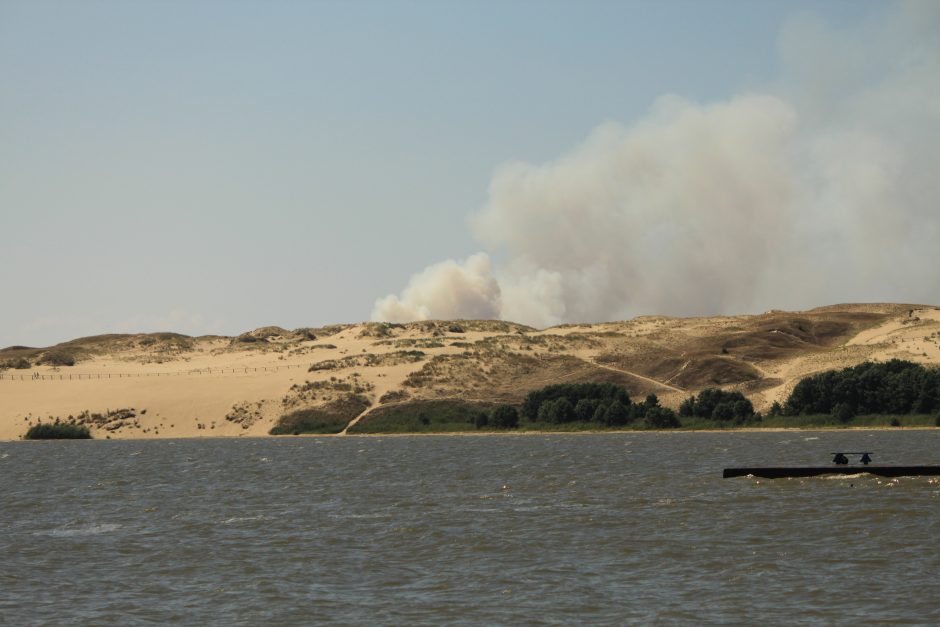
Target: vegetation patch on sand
{"points": [[369, 360], [20, 363], [330, 418], [439, 416], [57, 431], [704, 373], [57, 358]]}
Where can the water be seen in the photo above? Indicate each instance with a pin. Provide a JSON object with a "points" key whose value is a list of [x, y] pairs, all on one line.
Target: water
{"points": [[600, 529]]}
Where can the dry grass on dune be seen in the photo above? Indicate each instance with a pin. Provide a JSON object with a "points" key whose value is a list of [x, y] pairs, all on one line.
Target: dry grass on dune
{"points": [[199, 386]]}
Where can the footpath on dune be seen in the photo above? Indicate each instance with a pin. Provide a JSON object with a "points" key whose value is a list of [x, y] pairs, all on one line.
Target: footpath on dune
{"points": [[168, 385]]}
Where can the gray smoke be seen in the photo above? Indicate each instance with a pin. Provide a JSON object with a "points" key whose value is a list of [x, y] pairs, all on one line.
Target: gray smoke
{"points": [[823, 188]]}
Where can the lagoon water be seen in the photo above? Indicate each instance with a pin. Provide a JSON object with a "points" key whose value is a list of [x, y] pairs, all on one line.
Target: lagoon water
{"points": [[599, 529]]}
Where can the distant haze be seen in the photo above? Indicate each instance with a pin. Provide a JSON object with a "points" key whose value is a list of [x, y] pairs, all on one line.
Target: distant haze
{"points": [[822, 187], [212, 167]]}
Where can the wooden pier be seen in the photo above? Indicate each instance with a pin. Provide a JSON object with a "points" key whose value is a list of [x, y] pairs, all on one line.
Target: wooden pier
{"points": [[781, 472]]}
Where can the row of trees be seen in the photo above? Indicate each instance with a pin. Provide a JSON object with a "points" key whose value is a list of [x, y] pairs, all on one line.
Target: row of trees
{"points": [[893, 387], [716, 404], [603, 403]]}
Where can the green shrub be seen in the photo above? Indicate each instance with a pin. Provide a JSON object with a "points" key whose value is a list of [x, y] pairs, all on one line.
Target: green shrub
{"points": [[441, 416], [556, 411], [661, 418], [505, 417], [309, 421], [843, 412], [723, 411], [616, 414], [57, 431], [586, 408]]}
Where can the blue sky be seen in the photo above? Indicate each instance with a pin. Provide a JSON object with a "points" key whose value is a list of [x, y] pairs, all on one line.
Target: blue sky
{"points": [[218, 166]]}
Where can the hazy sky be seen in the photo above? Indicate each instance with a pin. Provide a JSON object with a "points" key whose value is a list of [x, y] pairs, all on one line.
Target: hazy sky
{"points": [[211, 167]]}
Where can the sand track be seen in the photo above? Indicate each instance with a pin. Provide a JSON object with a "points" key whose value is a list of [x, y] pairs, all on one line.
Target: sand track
{"points": [[189, 387]]}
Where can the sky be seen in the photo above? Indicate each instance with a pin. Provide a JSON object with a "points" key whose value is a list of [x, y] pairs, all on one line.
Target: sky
{"points": [[212, 167]]}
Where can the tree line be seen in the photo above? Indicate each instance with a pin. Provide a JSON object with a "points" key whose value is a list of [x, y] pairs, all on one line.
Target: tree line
{"points": [[893, 387], [603, 403]]}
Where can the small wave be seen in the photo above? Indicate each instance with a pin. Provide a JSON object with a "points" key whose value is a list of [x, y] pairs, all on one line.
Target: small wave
{"points": [[240, 519], [808, 439], [85, 530], [4, 456]]}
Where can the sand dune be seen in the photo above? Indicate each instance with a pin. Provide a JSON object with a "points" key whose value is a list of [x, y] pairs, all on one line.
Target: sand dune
{"points": [[168, 385]]}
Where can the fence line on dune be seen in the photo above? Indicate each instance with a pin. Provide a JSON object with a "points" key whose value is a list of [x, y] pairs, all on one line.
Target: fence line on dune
{"points": [[86, 376]]}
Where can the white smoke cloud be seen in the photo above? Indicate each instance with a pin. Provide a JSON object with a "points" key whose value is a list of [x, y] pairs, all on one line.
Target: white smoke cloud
{"points": [[446, 291], [822, 189]]}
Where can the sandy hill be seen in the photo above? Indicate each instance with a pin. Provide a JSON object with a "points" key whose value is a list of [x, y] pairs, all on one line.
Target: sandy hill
{"points": [[172, 385]]}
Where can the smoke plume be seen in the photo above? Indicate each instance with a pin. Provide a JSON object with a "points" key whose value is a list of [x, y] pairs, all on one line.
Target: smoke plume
{"points": [[822, 188]]}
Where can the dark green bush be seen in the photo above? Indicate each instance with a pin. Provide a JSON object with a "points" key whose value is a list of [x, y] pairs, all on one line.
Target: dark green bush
{"points": [[661, 418], [57, 431], [309, 421], [843, 412], [505, 417], [616, 414], [557, 411], [723, 411], [585, 409], [443, 416]]}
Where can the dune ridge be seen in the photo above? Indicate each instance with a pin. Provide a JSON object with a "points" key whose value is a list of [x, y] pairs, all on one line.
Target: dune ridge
{"points": [[164, 385]]}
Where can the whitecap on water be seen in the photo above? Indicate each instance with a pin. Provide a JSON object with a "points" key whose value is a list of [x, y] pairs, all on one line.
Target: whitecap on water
{"points": [[239, 519], [808, 439], [82, 530]]}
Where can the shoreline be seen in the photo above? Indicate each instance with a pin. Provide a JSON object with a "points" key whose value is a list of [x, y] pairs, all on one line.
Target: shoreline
{"points": [[514, 433]]}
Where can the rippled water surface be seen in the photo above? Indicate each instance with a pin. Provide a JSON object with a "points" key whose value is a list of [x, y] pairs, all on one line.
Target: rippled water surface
{"points": [[609, 529]]}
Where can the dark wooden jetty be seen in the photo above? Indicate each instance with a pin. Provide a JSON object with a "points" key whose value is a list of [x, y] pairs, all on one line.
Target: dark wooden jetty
{"points": [[840, 467]]}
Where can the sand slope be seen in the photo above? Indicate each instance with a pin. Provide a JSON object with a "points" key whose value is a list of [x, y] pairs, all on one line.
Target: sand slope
{"points": [[174, 386]]}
